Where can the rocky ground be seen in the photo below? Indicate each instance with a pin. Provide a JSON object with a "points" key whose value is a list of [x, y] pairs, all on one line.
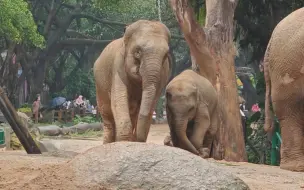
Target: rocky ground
{"points": [[19, 170]]}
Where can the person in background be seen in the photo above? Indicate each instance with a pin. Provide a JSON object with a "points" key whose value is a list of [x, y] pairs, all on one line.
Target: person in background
{"points": [[79, 101], [35, 108], [243, 116]]}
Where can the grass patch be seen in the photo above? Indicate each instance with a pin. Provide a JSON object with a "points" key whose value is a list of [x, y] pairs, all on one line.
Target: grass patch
{"points": [[87, 134]]}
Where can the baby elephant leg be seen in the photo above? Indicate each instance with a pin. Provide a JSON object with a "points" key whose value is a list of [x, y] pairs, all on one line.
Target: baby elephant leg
{"points": [[209, 136], [201, 126], [206, 147], [168, 140]]}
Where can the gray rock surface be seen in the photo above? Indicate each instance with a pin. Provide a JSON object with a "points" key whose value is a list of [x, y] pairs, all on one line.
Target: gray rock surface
{"points": [[132, 165]]}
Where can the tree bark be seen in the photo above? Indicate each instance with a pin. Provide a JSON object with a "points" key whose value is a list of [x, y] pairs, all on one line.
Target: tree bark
{"points": [[212, 54], [20, 130]]}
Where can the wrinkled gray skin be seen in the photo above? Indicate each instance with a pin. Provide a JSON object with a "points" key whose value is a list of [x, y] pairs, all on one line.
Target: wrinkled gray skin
{"points": [[192, 112], [130, 74], [284, 79]]}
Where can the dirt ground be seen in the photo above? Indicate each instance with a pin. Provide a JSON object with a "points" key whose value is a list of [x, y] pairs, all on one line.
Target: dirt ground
{"points": [[18, 169]]}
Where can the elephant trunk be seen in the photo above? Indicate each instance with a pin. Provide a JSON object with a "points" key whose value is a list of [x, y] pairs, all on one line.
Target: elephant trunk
{"points": [[150, 72], [180, 128]]}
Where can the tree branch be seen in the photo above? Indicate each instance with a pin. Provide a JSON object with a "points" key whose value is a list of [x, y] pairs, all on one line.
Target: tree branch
{"points": [[77, 41], [201, 57], [68, 6], [74, 33], [52, 12], [96, 19]]}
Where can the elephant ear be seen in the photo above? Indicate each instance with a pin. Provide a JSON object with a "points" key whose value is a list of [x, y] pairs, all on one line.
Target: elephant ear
{"points": [[131, 29]]}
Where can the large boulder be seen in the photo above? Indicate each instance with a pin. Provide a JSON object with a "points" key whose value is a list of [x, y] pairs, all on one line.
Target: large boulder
{"points": [[133, 165]]}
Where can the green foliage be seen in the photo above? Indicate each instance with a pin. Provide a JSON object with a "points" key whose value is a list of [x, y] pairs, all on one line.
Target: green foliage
{"points": [[260, 143], [25, 110], [261, 89], [81, 83], [202, 16], [257, 137], [257, 19], [26, 105], [160, 107], [87, 134], [85, 119], [17, 23], [129, 10]]}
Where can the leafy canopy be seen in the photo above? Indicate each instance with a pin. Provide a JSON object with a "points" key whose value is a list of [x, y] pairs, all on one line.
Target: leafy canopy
{"points": [[17, 23]]}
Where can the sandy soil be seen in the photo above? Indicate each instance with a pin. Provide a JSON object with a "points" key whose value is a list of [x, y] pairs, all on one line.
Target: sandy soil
{"points": [[18, 169]]}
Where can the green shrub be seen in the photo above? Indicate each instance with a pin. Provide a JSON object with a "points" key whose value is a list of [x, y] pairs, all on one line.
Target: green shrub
{"points": [[85, 119], [25, 110]]}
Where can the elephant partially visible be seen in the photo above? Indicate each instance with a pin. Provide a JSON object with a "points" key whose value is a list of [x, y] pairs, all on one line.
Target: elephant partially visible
{"points": [[284, 79], [130, 74], [191, 103]]}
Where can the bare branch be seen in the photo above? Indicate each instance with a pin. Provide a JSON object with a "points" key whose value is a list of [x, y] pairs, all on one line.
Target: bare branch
{"points": [[77, 41], [201, 57], [74, 33], [96, 19], [52, 12], [68, 6]]}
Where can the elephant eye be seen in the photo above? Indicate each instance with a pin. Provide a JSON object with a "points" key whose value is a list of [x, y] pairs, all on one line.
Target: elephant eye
{"points": [[137, 53]]}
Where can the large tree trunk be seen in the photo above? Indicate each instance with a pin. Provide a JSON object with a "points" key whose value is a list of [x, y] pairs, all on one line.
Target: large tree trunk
{"points": [[212, 53], [37, 78]]}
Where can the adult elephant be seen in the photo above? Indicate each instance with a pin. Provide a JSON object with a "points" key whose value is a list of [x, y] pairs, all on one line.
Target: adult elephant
{"points": [[284, 77], [130, 74]]}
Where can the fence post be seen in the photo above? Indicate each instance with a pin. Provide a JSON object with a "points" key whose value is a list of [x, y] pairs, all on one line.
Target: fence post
{"points": [[7, 136], [59, 115], [275, 142]]}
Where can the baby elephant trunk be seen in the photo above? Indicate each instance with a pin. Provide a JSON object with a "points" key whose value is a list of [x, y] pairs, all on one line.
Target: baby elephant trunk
{"points": [[180, 128]]}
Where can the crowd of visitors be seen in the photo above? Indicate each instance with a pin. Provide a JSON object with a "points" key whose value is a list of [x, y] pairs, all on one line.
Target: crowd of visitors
{"points": [[80, 104]]}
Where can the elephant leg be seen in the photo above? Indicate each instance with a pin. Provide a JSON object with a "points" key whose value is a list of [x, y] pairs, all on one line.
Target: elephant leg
{"points": [[292, 147], [109, 125], [168, 141], [120, 108], [172, 137], [201, 126], [290, 116], [207, 144], [210, 134], [134, 111], [105, 111]]}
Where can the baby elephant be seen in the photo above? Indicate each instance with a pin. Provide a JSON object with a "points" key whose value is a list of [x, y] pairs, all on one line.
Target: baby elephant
{"points": [[191, 103]]}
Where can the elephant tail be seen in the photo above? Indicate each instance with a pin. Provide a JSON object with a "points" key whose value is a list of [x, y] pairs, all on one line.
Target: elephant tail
{"points": [[268, 113]]}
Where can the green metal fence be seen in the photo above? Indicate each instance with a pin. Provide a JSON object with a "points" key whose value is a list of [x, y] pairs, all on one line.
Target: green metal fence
{"points": [[2, 138], [276, 141]]}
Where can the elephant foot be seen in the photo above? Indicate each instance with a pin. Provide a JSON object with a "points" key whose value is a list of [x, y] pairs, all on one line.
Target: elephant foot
{"points": [[168, 141], [294, 165], [204, 152], [108, 139]]}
